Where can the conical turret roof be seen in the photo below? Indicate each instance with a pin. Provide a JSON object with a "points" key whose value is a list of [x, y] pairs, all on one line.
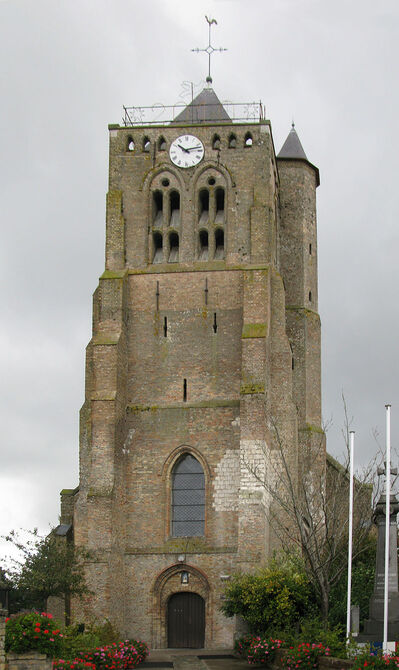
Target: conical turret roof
{"points": [[205, 108], [292, 150], [292, 147]]}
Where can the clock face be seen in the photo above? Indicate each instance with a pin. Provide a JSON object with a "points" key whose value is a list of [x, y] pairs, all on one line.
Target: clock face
{"points": [[186, 151]]}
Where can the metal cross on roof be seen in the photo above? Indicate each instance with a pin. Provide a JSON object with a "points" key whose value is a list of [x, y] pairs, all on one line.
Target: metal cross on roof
{"points": [[209, 49]]}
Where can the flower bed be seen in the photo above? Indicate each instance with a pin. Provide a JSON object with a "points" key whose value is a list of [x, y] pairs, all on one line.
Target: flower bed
{"points": [[33, 632], [304, 656], [116, 656]]}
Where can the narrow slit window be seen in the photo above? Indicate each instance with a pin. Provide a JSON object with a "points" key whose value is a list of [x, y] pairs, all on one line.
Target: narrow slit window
{"points": [[188, 498], [203, 206], [215, 323], [157, 207], [174, 200], [216, 142], [203, 245], [158, 248], [161, 144], [248, 140], [292, 363], [219, 244], [219, 205], [146, 144], [310, 296], [310, 249], [165, 326], [130, 143], [184, 390], [173, 248], [232, 142]]}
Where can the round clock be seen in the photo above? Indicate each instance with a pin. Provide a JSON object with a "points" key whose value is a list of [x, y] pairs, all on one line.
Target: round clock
{"points": [[186, 151]]}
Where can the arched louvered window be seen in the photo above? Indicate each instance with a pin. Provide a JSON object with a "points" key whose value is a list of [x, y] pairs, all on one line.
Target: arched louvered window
{"points": [[173, 248], [158, 248], [219, 244], [203, 245], [188, 498]]}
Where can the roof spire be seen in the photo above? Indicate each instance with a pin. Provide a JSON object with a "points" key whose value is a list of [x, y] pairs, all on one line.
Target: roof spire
{"points": [[209, 49]]}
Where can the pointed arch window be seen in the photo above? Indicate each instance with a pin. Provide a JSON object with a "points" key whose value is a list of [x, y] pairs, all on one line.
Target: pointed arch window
{"points": [[232, 141], [161, 144], [130, 143], [146, 144], [188, 498], [248, 140]]}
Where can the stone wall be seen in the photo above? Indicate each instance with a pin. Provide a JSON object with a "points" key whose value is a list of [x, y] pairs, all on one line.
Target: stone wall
{"points": [[3, 614]]}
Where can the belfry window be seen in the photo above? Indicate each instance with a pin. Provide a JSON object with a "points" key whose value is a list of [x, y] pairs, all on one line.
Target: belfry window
{"points": [[146, 144], [203, 245], [174, 201], [232, 141], [248, 140], [203, 206], [130, 143], [216, 142], [219, 205], [161, 144], [158, 248], [157, 207], [188, 498], [219, 244], [173, 248]]}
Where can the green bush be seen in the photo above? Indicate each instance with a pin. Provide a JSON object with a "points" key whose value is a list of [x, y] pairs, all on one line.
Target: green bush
{"points": [[33, 632], [278, 597]]}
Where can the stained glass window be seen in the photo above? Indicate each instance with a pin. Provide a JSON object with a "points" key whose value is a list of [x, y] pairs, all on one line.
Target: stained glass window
{"points": [[188, 497]]}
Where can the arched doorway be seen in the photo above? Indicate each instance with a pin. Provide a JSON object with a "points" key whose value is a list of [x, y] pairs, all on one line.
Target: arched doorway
{"points": [[186, 621]]}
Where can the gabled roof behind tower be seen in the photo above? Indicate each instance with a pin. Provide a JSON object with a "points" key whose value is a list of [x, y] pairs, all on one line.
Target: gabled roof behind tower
{"points": [[205, 108]]}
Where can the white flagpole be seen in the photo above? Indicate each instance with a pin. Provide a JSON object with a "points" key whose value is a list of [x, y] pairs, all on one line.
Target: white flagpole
{"points": [[348, 601], [387, 520]]}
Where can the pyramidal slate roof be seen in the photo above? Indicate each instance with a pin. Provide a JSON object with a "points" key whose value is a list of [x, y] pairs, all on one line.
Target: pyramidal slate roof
{"points": [[292, 147], [205, 108]]}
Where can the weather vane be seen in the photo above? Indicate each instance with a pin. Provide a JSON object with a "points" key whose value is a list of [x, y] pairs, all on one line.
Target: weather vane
{"points": [[209, 49]]}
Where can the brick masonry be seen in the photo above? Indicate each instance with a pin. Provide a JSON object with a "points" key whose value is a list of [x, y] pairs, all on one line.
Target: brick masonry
{"points": [[205, 337]]}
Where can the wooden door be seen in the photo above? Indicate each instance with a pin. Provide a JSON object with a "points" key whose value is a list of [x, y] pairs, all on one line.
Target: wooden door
{"points": [[186, 621]]}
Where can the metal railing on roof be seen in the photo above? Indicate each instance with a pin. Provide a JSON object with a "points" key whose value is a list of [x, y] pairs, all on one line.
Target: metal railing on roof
{"points": [[180, 113]]}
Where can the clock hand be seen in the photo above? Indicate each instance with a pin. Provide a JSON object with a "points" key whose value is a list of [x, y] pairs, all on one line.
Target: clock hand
{"points": [[194, 148], [186, 150]]}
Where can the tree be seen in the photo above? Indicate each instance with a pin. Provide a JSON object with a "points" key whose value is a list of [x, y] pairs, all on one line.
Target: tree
{"points": [[310, 513], [50, 566], [276, 598]]}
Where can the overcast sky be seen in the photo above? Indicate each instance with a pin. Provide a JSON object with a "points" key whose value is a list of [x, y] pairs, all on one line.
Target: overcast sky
{"points": [[66, 69]]}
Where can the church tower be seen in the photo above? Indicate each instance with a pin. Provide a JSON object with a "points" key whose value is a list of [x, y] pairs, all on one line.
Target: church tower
{"points": [[206, 340]]}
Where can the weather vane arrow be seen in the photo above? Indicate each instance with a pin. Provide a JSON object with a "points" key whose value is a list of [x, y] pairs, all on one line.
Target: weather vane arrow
{"points": [[209, 49]]}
